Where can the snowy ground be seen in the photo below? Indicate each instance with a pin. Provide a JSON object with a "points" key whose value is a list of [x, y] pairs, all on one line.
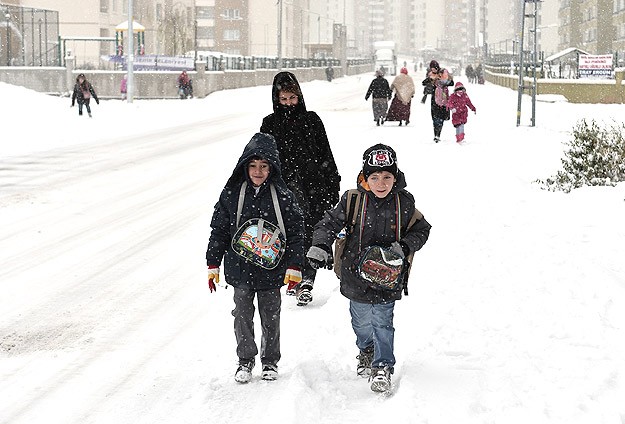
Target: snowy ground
{"points": [[516, 311]]}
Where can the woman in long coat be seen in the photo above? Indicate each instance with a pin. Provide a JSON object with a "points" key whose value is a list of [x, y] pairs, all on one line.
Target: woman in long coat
{"points": [[403, 85], [441, 80], [381, 93], [308, 166]]}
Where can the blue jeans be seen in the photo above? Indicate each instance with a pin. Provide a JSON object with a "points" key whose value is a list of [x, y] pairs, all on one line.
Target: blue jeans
{"points": [[373, 324]]}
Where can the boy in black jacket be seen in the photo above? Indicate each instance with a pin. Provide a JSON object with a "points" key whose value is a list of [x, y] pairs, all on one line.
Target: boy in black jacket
{"points": [[256, 197], [386, 218]]}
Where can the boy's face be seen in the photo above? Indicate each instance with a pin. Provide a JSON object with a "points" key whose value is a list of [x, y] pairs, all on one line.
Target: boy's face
{"points": [[258, 170], [287, 98], [381, 183]]}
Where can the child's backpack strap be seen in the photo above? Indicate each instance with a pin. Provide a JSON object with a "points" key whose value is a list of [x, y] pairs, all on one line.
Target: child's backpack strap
{"points": [[354, 199], [276, 206]]}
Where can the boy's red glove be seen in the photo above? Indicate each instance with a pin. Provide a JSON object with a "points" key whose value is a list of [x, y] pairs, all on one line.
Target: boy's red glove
{"points": [[213, 277], [292, 277]]}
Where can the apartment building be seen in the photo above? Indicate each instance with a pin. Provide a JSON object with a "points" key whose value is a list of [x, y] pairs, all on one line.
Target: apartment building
{"points": [[618, 22], [592, 25]]}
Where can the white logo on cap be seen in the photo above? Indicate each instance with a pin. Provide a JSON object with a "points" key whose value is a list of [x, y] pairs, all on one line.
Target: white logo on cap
{"points": [[381, 158]]}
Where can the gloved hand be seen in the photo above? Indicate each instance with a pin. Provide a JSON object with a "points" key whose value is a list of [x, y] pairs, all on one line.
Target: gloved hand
{"points": [[213, 277], [399, 248], [452, 110], [475, 112], [320, 257], [292, 277], [97, 101]]}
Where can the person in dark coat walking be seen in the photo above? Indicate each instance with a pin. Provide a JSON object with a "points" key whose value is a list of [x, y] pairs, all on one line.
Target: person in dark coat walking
{"points": [[329, 73], [441, 80], [381, 93], [308, 165], [256, 190], [428, 84], [83, 92], [384, 217]]}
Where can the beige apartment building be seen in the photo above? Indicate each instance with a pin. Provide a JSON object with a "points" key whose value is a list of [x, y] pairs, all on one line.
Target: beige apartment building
{"points": [[595, 26]]}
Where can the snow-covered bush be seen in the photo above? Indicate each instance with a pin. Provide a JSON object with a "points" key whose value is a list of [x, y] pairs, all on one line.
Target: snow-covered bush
{"points": [[596, 157]]}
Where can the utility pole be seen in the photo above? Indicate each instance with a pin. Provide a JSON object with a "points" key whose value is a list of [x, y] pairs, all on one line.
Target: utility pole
{"points": [[534, 57], [131, 55]]}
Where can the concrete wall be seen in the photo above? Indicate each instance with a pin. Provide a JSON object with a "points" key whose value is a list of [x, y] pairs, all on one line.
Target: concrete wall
{"points": [[155, 85], [575, 90]]}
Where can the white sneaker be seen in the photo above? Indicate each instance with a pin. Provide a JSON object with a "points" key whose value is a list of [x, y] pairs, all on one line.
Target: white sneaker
{"points": [[380, 379], [244, 372], [270, 372]]}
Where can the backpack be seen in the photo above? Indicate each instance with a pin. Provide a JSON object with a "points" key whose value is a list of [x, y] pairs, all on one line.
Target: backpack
{"points": [[354, 202]]}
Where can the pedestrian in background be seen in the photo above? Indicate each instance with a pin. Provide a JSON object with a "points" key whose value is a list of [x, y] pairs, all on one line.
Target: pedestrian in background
{"points": [[457, 104], [83, 92], [381, 93], [404, 89], [123, 88], [441, 80]]}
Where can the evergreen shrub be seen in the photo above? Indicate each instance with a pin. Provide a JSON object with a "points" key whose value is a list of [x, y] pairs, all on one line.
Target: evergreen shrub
{"points": [[596, 157]]}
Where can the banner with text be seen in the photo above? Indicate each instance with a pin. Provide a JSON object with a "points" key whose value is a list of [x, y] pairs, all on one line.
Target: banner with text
{"points": [[595, 66]]}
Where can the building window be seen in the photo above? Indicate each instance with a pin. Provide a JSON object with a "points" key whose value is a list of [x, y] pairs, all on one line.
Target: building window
{"points": [[104, 6], [205, 12], [232, 35], [231, 14]]}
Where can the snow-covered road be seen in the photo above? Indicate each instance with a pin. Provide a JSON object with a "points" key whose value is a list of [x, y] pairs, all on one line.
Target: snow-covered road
{"points": [[516, 305]]}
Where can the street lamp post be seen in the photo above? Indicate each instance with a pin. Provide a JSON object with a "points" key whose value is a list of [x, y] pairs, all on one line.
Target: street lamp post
{"points": [[7, 17]]}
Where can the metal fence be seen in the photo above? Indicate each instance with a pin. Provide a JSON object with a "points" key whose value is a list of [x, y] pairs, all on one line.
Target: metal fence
{"points": [[243, 63], [28, 37]]}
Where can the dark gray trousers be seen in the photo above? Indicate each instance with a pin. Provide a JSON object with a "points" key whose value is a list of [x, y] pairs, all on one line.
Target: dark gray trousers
{"points": [[269, 305]]}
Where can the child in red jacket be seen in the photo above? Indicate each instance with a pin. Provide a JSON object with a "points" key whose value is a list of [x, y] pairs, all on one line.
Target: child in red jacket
{"points": [[458, 103]]}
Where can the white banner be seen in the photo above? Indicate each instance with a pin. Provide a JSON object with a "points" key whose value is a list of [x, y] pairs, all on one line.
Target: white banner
{"points": [[595, 66]]}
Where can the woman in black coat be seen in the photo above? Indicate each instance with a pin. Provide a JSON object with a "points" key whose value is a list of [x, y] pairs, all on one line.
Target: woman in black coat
{"points": [[381, 93], [308, 166]]}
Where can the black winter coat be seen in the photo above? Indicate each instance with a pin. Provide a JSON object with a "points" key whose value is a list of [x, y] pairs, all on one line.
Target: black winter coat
{"points": [[239, 272], [79, 96], [308, 166], [437, 111], [378, 229], [379, 88]]}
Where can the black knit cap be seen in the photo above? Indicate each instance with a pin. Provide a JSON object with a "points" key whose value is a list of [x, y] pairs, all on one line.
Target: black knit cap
{"points": [[379, 158]]}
